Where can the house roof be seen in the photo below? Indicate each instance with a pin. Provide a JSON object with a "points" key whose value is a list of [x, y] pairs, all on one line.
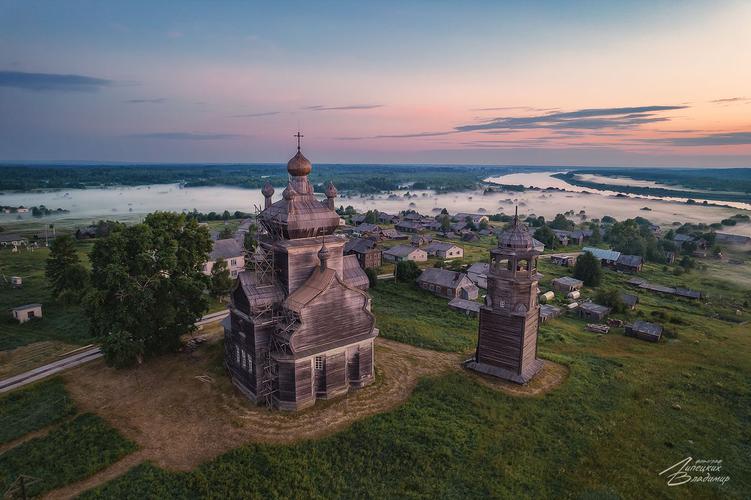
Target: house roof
{"points": [[442, 277], [26, 306], [594, 308], [441, 246], [402, 250], [391, 233], [647, 327], [359, 245], [546, 310], [630, 260], [366, 227], [8, 237], [685, 292], [479, 268], [568, 281], [465, 305], [409, 225], [226, 249], [354, 276], [682, 237], [629, 299], [602, 253]]}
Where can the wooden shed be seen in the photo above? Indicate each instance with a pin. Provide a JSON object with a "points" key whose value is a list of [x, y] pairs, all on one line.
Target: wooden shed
{"points": [[468, 307], [24, 313], [592, 311], [644, 330], [445, 283], [567, 284]]}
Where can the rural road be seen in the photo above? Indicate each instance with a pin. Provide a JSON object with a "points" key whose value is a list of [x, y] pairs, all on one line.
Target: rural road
{"points": [[77, 358]]}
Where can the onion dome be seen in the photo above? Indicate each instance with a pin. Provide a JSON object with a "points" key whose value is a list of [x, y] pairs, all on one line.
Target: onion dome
{"points": [[299, 166], [268, 190], [289, 193], [323, 255], [331, 190], [516, 237]]}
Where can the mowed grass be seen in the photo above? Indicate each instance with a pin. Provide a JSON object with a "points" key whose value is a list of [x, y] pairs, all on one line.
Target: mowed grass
{"points": [[61, 322], [607, 432], [33, 408], [69, 453], [408, 314]]}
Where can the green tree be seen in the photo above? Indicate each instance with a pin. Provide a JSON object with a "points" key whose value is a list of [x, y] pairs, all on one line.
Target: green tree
{"points": [[562, 223], [226, 233], [147, 286], [249, 240], [445, 223], [546, 236], [67, 276], [372, 277], [226, 215], [221, 282], [484, 224], [612, 298], [371, 216], [596, 237], [407, 270], [588, 269]]}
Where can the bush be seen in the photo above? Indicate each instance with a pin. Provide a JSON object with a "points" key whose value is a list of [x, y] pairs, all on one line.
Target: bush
{"points": [[588, 269], [612, 298], [372, 277], [407, 271]]}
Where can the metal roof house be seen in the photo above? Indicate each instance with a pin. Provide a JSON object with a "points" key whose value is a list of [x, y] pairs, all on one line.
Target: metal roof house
{"points": [[300, 326], [445, 283], [606, 257], [630, 263]]}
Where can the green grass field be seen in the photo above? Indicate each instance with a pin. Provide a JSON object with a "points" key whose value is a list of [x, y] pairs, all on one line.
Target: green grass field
{"points": [[69, 453], [33, 408]]}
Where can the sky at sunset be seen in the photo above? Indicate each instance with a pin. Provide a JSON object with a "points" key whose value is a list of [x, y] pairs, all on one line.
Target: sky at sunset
{"points": [[524, 83]]}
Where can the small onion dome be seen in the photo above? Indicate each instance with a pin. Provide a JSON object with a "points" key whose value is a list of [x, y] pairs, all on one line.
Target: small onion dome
{"points": [[289, 193], [331, 190], [268, 190], [299, 165], [323, 255]]}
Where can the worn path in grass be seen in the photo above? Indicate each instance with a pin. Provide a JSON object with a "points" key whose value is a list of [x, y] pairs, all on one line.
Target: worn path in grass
{"points": [[180, 421]]}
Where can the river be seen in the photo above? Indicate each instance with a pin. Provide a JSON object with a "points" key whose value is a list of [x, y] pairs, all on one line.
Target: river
{"points": [[131, 203]]}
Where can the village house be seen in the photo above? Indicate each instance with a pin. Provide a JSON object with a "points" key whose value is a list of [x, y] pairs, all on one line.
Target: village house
{"points": [[563, 260], [385, 218], [300, 327], [478, 273], [644, 330], [630, 263], [420, 240], [469, 307], [445, 283], [592, 311], [629, 300], [561, 236], [393, 234], [549, 312], [22, 314], [680, 238], [401, 253], [367, 228], [606, 257], [567, 284], [408, 226], [444, 250], [731, 239], [231, 251], [475, 218], [365, 250]]}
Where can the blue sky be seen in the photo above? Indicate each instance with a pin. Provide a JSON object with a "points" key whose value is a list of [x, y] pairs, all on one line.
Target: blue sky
{"points": [[580, 83]]}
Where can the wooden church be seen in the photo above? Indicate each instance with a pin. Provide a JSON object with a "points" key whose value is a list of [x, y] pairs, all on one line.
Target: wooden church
{"points": [[509, 320], [300, 327]]}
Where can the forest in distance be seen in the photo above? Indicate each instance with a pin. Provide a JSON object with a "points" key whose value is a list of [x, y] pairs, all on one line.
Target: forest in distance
{"points": [[731, 184]]}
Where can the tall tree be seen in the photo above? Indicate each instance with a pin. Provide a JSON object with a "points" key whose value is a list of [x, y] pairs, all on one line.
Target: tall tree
{"points": [[66, 274], [546, 236], [562, 223], [147, 286], [221, 282], [588, 269]]}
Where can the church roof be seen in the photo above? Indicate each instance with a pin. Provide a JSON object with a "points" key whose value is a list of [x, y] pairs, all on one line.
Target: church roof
{"points": [[298, 165], [318, 282]]}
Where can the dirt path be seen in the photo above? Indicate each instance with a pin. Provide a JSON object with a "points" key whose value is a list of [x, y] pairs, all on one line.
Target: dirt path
{"points": [[180, 421]]}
